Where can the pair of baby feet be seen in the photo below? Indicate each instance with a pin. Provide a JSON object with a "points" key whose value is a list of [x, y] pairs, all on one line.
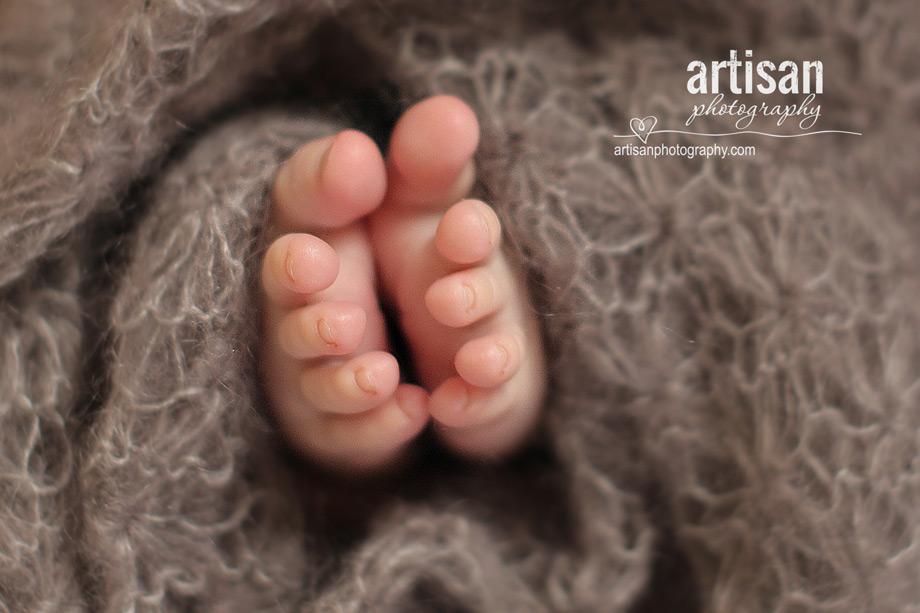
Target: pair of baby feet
{"points": [[351, 231]]}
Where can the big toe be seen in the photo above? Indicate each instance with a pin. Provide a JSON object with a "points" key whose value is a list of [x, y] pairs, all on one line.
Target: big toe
{"points": [[429, 163], [329, 183]]}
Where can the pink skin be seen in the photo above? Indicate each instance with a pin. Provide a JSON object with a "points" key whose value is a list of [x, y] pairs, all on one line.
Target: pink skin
{"points": [[341, 213]]}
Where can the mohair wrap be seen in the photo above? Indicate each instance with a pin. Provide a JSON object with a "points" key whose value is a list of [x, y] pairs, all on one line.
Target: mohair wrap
{"points": [[733, 422]]}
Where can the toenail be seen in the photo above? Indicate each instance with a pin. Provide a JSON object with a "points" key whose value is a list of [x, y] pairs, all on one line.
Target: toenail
{"points": [[485, 226], [469, 297], [326, 333], [503, 358], [365, 380], [289, 266]]}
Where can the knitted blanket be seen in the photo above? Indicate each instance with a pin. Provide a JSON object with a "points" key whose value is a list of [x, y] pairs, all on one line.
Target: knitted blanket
{"points": [[733, 423]]}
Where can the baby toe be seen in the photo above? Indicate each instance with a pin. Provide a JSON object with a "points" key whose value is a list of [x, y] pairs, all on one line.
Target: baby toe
{"points": [[296, 265], [325, 328], [354, 386], [488, 361], [457, 404], [481, 423], [468, 233], [370, 440], [465, 297], [429, 162], [329, 183]]}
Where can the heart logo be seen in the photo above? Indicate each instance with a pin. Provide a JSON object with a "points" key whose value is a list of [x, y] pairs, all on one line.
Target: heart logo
{"points": [[643, 127]]}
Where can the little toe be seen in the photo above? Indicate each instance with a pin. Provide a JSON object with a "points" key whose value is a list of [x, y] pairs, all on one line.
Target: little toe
{"points": [[488, 361], [366, 441], [457, 404], [321, 329], [357, 385], [465, 297], [329, 183], [468, 232], [296, 265], [429, 163], [481, 423]]}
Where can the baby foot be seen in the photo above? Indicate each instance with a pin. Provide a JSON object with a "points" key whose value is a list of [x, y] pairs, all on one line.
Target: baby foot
{"points": [[329, 377], [461, 306]]}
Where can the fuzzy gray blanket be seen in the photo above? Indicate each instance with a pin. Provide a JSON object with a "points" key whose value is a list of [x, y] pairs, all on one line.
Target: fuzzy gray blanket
{"points": [[734, 417]]}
